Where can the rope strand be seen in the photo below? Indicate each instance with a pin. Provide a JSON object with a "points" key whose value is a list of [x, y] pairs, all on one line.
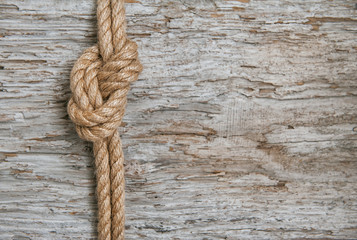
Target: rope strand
{"points": [[100, 81]]}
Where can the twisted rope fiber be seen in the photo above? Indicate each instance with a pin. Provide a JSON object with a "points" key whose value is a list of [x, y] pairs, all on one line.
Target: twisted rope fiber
{"points": [[100, 81]]}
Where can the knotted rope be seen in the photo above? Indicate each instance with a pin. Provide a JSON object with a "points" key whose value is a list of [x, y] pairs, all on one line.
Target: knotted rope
{"points": [[100, 82]]}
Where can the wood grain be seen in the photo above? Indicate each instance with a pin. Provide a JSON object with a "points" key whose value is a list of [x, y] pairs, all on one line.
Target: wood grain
{"points": [[243, 124]]}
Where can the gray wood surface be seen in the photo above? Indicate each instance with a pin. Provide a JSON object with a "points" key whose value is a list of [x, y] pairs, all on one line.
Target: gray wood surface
{"points": [[243, 124]]}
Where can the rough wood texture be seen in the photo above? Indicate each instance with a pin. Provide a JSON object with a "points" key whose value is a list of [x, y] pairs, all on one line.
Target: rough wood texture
{"points": [[243, 124]]}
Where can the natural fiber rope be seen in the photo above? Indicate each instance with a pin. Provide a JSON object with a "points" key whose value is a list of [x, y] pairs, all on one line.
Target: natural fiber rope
{"points": [[100, 81]]}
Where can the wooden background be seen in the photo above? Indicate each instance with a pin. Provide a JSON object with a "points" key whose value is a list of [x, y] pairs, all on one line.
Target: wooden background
{"points": [[243, 124]]}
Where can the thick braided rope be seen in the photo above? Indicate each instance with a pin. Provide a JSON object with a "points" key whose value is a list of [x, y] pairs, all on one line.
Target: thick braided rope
{"points": [[100, 82]]}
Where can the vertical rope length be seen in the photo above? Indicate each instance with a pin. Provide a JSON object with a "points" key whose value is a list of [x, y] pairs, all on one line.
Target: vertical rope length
{"points": [[100, 81]]}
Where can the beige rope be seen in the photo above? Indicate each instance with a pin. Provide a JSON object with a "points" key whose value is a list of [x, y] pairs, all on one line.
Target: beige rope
{"points": [[100, 81]]}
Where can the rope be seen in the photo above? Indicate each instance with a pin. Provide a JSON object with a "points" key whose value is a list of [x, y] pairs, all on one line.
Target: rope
{"points": [[100, 82]]}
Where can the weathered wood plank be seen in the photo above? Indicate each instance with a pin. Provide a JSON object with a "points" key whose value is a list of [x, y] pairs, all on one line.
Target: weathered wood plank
{"points": [[243, 124]]}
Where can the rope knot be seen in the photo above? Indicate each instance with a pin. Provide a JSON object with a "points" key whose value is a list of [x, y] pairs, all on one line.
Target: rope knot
{"points": [[99, 90]]}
